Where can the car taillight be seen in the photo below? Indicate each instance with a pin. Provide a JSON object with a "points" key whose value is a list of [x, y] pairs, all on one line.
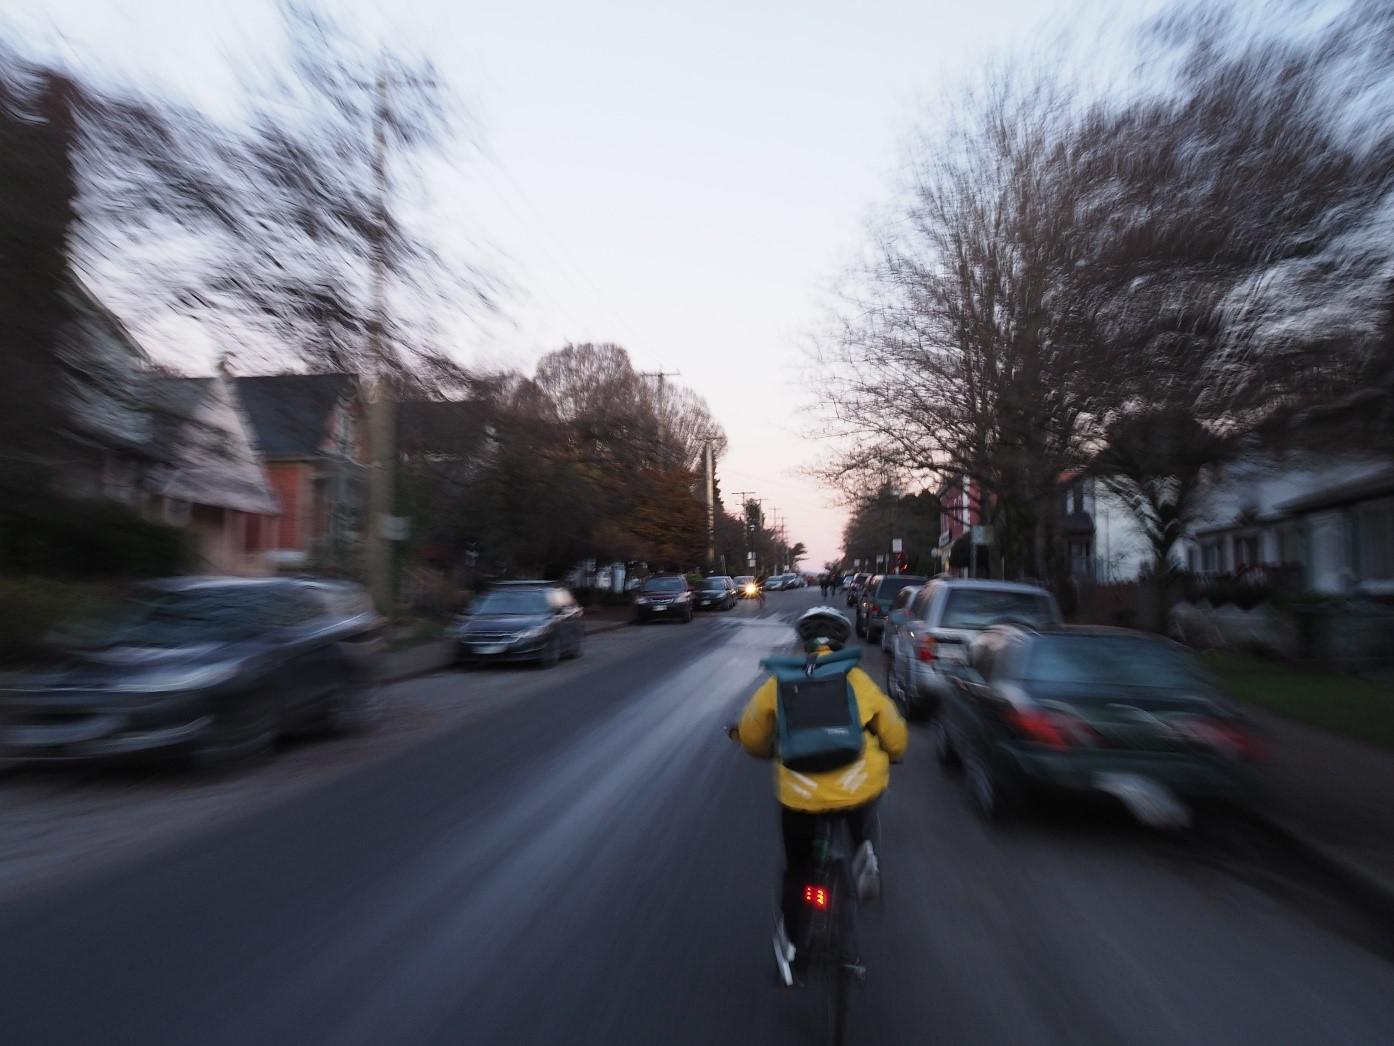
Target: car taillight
{"points": [[1232, 739], [924, 650], [816, 897], [1055, 729]]}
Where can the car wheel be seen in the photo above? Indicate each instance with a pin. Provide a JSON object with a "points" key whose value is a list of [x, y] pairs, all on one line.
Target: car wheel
{"points": [[988, 792], [575, 650], [944, 750], [551, 653], [227, 751], [356, 708], [687, 619]]}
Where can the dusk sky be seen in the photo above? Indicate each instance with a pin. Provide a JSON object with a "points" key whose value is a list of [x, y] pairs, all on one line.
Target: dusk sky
{"points": [[687, 182]]}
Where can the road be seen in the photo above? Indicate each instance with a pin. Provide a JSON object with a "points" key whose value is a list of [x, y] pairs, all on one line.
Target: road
{"points": [[591, 861]]}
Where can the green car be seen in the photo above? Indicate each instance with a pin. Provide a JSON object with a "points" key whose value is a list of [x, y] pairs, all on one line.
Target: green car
{"points": [[1093, 710]]}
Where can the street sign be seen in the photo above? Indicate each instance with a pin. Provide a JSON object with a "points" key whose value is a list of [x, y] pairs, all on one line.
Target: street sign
{"points": [[897, 545], [394, 528], [750, 559], [982, 534]]}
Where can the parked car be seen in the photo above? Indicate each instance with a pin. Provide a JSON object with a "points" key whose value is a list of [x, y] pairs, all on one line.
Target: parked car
{"points": [[663, 596], [521, 621], [875, 603], [1092, 710], [716, 593], [776, 583], [854, 588], [896, 618], [942, 618], [211, 668], [747, 587]]}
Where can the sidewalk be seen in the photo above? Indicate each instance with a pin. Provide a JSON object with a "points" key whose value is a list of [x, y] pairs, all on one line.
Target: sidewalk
{"points": [[1334, 799], [431, 655]]}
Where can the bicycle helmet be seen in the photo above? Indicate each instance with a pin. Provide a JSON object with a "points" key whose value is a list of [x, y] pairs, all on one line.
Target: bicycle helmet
{"points": [[825, 624]]}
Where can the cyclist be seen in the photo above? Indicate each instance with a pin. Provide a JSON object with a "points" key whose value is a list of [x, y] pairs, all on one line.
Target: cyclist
{"points": [[852, 789]]}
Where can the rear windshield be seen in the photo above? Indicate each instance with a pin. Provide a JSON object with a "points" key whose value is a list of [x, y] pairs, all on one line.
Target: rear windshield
{"points": [[891, 585], [714, 582], [977, 608], [512, 601], [1111, 660], [663, 584]]}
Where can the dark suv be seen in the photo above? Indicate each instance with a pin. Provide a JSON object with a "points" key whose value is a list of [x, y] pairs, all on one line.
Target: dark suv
{"points": [[521, 621], [875, 602], [663, 596]]}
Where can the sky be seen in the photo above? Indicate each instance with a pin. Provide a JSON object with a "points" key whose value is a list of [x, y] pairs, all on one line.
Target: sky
{"points": [[685, 180]]}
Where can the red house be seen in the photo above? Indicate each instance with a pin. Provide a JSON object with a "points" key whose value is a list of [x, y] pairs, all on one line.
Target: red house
{"points": [[310, 432]]}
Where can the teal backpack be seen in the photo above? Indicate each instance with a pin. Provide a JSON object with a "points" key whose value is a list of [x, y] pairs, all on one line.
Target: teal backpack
{"points": [[819, 725]]}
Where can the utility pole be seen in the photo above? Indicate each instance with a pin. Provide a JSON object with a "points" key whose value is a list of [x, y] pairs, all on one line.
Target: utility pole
{"points": [[710, 461], [662, 376], [381, 476], [745, 496]]}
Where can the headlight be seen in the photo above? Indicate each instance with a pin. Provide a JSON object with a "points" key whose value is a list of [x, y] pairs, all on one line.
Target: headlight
{"points": [[641, 600], [683, 597], [534, 633], [181, 677]]}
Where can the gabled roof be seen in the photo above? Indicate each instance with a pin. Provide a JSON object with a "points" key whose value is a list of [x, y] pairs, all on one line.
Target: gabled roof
{"points": [[289, 413], [208, 446], [1363, 489]]}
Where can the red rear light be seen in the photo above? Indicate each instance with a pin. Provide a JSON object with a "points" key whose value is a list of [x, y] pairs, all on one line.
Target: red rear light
{"points": [[1056, 729], [924, 650], [1227, 737], [816, 896]]}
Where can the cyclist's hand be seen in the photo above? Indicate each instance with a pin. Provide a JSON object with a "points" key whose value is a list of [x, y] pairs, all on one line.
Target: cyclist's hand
{"points": [[733, 731]]}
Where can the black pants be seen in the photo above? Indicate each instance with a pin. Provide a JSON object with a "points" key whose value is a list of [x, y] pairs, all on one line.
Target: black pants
{"points": [[798, 829]]}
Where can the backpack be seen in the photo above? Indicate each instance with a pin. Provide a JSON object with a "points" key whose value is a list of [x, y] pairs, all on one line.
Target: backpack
{"points": [[818, 724]]}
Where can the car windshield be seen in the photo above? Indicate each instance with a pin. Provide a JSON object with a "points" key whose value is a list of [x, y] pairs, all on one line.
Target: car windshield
{"points": [[1112, 660], [663, 584], [744, 580], [977, 608], [512, 601], [891, 585], [169, 619]]}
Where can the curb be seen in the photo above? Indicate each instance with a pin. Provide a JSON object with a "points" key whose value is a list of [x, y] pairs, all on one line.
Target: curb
{"points": [[606, 626], [1371, 893]]}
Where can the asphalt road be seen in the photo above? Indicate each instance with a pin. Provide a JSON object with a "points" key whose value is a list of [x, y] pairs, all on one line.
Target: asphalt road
{"points": [[593, 862]]}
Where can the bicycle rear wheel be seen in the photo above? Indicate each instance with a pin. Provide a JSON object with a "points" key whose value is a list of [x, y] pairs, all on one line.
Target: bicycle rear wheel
{"points": [[834, 992]]}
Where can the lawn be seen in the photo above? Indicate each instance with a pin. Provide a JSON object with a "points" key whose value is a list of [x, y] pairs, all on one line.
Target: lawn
{"points": [[1347, 705]]}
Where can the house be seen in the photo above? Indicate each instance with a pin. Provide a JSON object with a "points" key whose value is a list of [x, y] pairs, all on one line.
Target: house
{"points": [[1101, 538], [310, 432], [107, 444], [1326, 519], [210, 480], [961, 502]]}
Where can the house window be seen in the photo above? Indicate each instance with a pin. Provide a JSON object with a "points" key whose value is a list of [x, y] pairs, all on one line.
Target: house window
{"points": [[1377, 541], [1192, 560], [1246, 552], [1081, 561], [1290, 544], [1210, 556]]}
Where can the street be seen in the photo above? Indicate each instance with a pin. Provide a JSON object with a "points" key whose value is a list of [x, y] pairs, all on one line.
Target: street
{"points": [[590, 860]]}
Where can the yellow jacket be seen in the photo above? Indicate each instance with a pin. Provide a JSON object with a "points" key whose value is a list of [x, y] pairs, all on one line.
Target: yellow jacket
{"points": [[847, 786]]}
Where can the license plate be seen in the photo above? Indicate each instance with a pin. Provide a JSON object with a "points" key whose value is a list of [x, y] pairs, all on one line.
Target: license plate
{"points": [[659, 610], [1151, 802], [491, 648], [706, 602]]}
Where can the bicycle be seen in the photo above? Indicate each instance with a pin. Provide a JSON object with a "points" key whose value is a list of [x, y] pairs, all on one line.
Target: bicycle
{"points": [[827, 947], [831, 934]]}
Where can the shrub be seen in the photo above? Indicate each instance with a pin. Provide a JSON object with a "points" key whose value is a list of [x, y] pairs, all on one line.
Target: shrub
{"points": [[96, 538]]}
